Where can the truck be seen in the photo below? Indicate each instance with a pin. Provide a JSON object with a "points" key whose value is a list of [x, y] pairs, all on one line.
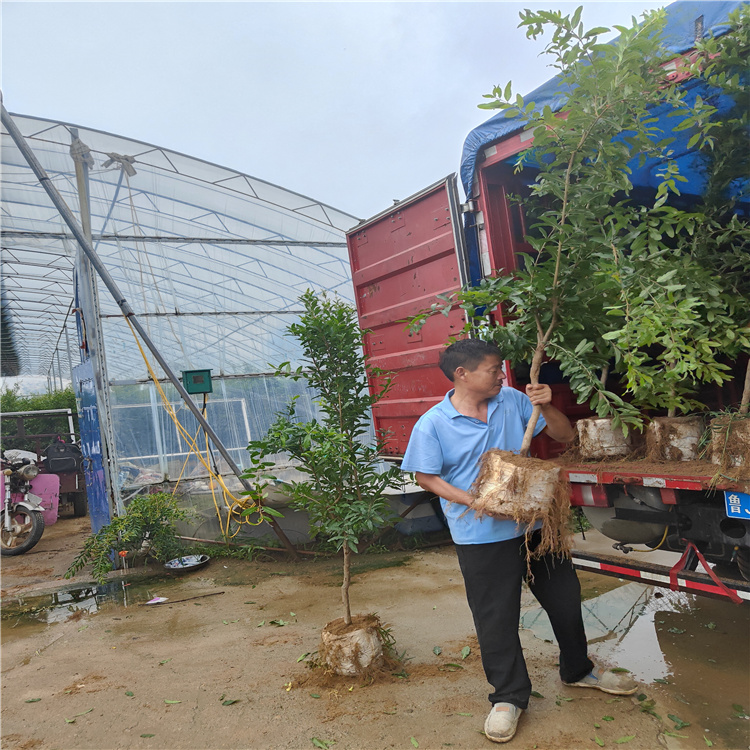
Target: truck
{"points": [[406, 257]]}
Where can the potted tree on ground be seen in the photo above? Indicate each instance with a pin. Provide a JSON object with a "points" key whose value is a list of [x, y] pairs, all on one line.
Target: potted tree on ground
{"points": [[343, 491]]}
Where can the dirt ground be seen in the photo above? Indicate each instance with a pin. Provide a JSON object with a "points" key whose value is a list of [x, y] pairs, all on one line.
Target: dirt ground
{"points": [[104, 675]]}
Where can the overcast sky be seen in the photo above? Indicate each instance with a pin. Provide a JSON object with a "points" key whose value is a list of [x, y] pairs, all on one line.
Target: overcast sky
{"points": [[353, 104]]}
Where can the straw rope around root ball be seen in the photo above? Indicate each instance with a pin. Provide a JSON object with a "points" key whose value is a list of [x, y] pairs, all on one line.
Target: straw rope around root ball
{"points": [[527, 490]]}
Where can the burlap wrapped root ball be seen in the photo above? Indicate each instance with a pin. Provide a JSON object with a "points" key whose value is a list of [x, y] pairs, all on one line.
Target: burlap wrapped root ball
{"points": [[527, 490]]}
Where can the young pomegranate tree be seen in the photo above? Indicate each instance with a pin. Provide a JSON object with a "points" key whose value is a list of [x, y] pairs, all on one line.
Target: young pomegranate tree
{"points": [[583, 218], [343, 491]]}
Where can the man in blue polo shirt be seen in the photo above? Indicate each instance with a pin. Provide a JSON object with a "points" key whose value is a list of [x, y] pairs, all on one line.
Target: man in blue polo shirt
{"points": [[444, 451]]}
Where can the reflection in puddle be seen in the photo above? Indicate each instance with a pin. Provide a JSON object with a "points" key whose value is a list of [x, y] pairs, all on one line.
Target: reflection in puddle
{"points": [[623, 617], [61, 605], [696, 648]]}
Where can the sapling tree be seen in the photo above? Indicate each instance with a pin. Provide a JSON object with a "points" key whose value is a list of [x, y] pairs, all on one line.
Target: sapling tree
{"points": [[343, 492], [685, 304], [722, 63], [580, 207]]}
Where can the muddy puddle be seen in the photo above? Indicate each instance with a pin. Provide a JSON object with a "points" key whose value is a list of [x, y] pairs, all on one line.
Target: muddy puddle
{"points": [[24, 615], [692, 651]]}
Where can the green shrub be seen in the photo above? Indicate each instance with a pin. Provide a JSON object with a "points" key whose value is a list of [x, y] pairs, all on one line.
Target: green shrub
{"points": [[148, 525]]}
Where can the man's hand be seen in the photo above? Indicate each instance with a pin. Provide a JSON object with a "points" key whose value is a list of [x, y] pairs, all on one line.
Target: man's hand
{"points": [[539, 394], [558, 425]]}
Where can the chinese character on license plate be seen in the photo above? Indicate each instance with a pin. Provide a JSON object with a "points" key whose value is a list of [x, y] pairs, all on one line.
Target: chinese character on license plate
{"points": [[737, 504]]}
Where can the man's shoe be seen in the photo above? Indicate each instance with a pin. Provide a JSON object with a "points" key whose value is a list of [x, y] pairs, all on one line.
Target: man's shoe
{"points": [[608, 682], [502, 721]]}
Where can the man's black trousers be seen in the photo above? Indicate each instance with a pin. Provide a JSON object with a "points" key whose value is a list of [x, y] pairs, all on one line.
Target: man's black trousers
{"points": [[492, 575]]}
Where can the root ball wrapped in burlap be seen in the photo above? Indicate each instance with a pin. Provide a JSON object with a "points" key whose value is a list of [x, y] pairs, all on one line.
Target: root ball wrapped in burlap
{"points": [[527, 490]]}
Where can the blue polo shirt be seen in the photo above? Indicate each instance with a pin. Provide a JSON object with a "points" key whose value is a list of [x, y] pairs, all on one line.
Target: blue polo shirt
{"points": [[450, 444]]}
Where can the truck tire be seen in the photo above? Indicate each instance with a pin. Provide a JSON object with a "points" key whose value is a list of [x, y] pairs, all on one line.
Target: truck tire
{"points": [[743, 562], [29, 525], [80, 505]]}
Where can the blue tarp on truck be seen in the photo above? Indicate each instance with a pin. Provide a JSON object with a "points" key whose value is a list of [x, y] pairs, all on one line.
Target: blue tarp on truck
{"points": [[683, 19]]}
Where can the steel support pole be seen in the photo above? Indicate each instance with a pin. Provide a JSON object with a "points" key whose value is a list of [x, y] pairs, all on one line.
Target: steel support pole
{"points": [[90, 313], [123, 304], [67, 346], [59, 369]]}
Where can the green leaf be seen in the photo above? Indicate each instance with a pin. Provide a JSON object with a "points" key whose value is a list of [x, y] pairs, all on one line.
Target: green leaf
{"points": [[535, 694], [414, 742], [322, 744], [268, 511], [148, 735], [625, 739], [437, 650], [230, 701], [618, 670], [129, 693], [303, 657], [465, 651], [608, 718], [32, 700], [450, 667], [678, 722], [171, 702], [707, 741], [599, 741]]}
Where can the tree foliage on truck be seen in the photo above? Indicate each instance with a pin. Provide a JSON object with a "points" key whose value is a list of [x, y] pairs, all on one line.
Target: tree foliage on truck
{"points": [[649, 283]]}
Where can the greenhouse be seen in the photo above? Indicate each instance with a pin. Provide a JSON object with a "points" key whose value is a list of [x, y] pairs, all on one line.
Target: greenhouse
{"points": [[212, 263]]}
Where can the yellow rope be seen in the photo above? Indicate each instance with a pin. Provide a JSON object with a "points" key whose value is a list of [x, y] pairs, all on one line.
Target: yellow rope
{"points": [[237, 505]]}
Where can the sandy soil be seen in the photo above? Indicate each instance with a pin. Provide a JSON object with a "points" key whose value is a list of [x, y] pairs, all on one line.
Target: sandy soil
{"points": [[158, 676]]}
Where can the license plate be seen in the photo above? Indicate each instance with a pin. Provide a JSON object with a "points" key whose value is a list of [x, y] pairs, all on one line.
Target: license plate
{"points": [[737, 504]]}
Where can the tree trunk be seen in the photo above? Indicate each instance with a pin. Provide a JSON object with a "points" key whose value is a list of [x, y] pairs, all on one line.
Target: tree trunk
{"points": [[345, 585], [536, 366], [745, 403]]}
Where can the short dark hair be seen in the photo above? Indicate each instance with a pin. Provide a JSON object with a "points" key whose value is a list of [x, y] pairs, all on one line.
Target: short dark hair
{"points": [[467, 353]]}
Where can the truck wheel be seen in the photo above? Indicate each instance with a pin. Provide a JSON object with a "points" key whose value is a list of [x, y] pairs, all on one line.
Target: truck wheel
{"points": [[743, 562], [28, 527], [80, 506]]}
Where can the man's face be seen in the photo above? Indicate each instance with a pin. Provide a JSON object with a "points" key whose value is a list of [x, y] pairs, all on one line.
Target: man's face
{"points": [[486, 379]]}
